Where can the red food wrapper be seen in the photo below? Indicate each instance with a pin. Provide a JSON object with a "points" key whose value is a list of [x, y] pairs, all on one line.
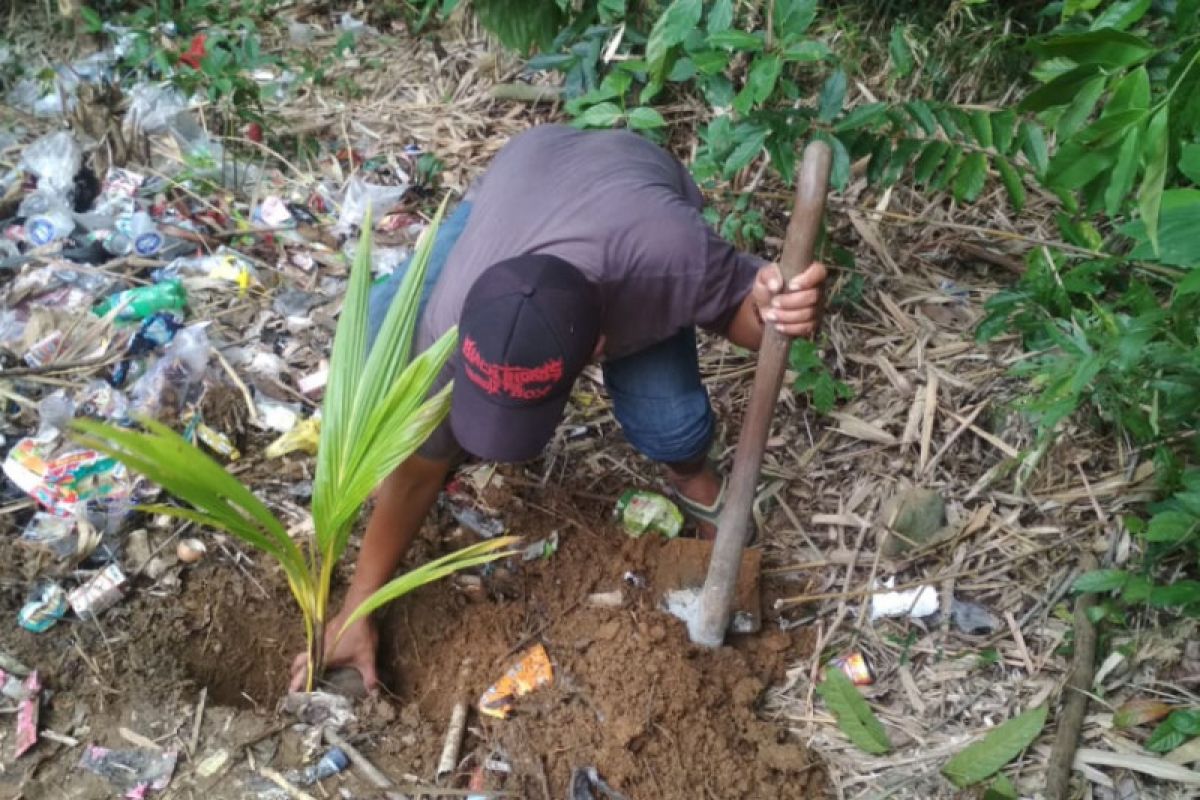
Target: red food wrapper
{"points": [[27, 715]]}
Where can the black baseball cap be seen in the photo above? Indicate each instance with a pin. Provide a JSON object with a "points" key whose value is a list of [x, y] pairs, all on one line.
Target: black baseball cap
{"points": [[529, 326]]}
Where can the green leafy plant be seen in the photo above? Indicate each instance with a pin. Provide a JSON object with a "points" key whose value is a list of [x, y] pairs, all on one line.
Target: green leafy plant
{"points": [[1174, 731], [854, 716], [814, 378], [1001, 745], [377, 411]]}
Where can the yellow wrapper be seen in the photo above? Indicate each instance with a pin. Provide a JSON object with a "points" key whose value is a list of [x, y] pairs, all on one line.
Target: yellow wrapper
{"points": [[532, 671]]}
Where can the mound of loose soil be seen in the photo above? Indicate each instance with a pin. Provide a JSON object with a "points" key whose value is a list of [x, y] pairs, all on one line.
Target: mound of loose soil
{"points": [[657, 717]]}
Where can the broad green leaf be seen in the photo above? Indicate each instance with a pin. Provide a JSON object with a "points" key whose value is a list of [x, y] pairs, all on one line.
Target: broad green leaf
{"points": [[1189, 162], [905, 151], [853, 714], [1033, 145], [1114, 128], [1171, 526], [833, 94], [1165, 738], [522, 27], [710, 62], [1080, 108], [861, 117], [749, 146], [1189, 285], [1004, 127], [1179, 593], [929, 160], [949, 169], [645, 118], [1012, 183], [91, 20], [1121, 15], [1001, 789], [1001, 745], [1124, 172], [946, 120], [601, 115], [1107, 47], [805, 51], [474, 555], [793, 17], [901, 54], [1100, 580], [1130, 92], [679, 19], [736, 40], [1150, 193], [764, 72], [981, 126], [919, 110], [880, 155], [839, 174], [1060, 91], [971, 178], [720, 16], [1074, 166], [1179, 220]]}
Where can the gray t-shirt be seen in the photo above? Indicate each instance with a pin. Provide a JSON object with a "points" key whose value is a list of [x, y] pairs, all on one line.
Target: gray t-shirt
{"points": [[621, 210]]}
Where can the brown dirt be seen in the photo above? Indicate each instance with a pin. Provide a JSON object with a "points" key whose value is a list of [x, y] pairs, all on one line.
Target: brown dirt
{"points": [[657, 717]]}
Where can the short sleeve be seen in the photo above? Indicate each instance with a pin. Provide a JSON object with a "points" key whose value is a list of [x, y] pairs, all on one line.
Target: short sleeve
{"points": [[728, 276]]}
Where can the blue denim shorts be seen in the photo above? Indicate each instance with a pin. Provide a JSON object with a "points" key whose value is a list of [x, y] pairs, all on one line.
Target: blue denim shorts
{"points": [[657, 394]]}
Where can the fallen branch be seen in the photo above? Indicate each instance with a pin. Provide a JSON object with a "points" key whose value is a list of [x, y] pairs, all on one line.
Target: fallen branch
{"points": [[526, 93], [1075, 695]]}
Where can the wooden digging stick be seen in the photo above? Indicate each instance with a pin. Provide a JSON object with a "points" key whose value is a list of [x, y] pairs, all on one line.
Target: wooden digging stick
{"points": [[709, 624]]}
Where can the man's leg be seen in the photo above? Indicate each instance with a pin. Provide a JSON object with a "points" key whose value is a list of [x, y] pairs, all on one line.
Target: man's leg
{"points": [[663, 408], [384, 292]]}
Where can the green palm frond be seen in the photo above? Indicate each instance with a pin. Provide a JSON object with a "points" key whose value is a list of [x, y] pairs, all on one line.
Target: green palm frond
{"points": [[467, 557]]}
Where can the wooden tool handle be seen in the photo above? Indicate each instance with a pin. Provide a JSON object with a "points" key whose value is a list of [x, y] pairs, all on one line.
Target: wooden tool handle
{"points": [[805, 224], [708, 624]]}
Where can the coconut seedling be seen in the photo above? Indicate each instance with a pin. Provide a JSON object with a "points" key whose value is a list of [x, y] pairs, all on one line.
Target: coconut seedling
{"points": [[377, 411]]}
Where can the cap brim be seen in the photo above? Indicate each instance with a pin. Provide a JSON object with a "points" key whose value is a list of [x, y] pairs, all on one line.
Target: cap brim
{"points": [[500, 433]]}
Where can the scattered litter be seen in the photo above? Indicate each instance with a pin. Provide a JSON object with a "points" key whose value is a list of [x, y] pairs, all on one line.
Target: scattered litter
{"points": [[333, 762], [51, 533], [542, 548], [320, 708], [476, 521], [613, 599], [190, 551], [134, 305], [132, 772], [453, 742], [913, 603], [972, 618], [27, 715], [531, 671], [45, 606], [304, 436], [854, 666], [586, 784], [635, 580], [360, 194], [103, 591], [641, 512], [914, 517]]}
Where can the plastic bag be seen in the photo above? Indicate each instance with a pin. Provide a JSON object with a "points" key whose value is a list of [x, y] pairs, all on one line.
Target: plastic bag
{"points": [[359, 193], [154, 107], [54, 159], [171, 381]]}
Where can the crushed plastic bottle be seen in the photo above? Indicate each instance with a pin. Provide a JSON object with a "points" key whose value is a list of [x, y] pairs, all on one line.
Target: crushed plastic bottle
{"points": [[333, 762], [641, 512], [137, 304]]}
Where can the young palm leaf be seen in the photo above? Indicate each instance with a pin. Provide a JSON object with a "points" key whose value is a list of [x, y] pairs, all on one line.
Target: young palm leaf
{"points": [[377, 412]]}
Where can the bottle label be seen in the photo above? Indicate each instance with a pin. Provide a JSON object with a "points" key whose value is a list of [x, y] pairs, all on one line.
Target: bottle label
{"points": [[40, 231], [147, 244]]}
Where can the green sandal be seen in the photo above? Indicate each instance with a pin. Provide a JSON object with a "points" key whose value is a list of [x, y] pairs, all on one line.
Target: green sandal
{"points": [[711, 514]]}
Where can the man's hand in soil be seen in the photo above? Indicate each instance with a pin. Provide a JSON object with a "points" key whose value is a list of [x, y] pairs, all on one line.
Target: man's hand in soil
{"points": [[403, 501], [355, 649]]}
